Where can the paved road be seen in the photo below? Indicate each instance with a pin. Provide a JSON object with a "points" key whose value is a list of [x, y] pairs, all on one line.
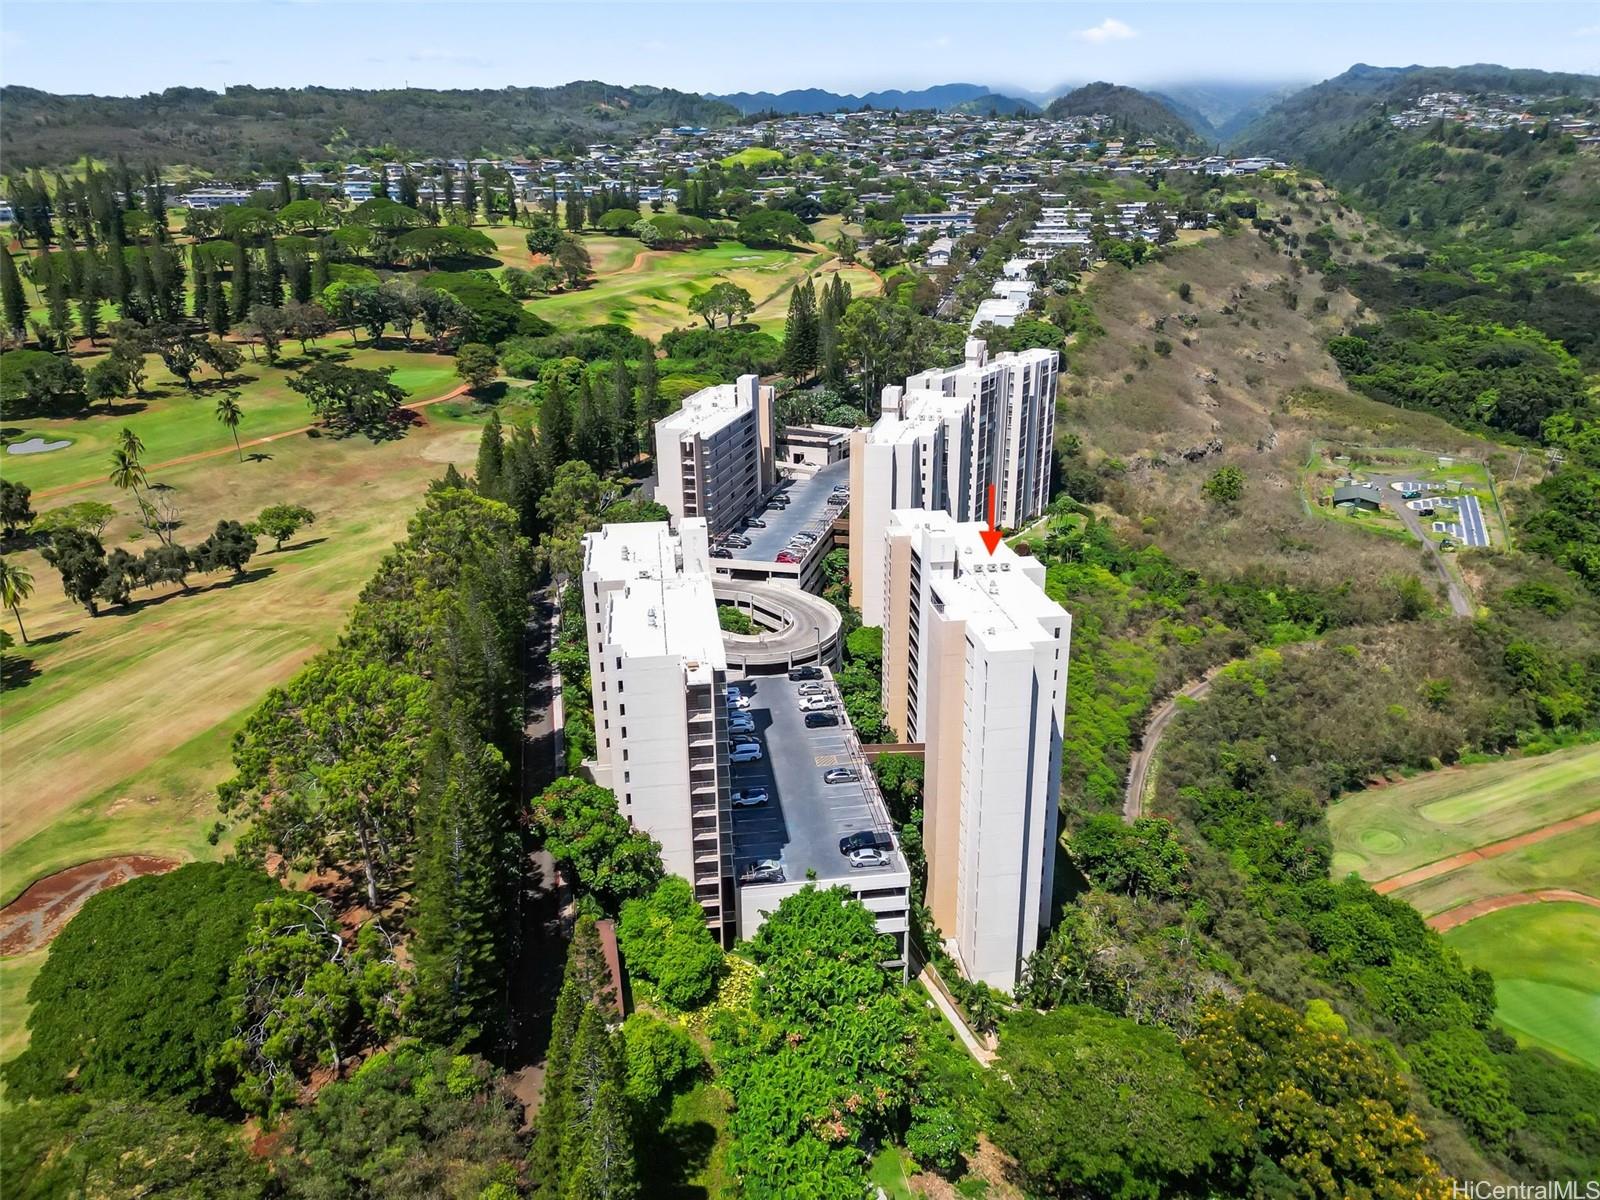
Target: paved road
{"points": [[1460, 603], [1160, 716]]}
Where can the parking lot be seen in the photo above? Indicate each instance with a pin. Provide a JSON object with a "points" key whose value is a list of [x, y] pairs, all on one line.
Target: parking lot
{"points": [[808, 509], [804, 818], [1469, 529]]}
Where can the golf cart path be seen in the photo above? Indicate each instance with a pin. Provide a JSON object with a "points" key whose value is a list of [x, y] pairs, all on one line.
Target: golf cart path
{"points": [[1494, 850], [1139, 765], [1472, 910]]}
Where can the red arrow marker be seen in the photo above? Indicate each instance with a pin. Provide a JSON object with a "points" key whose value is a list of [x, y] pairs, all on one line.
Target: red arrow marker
{"points": [[991, 536]]}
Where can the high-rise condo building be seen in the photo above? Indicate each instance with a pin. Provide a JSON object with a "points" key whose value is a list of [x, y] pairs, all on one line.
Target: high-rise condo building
{"points": [[975, 668], [714, 456], [659, 679], [942, 441]]}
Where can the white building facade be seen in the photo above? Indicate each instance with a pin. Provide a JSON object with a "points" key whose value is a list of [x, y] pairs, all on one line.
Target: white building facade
{"points": [[714, 456], [659, 680], [975, 668], [942, 441]]}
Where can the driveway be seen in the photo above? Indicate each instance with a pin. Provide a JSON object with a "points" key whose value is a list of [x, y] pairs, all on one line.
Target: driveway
{"points": [[1460, 603]]}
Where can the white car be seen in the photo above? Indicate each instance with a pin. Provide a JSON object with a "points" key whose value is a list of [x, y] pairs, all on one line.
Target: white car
{"points": [[763, 870], [813, 689], [816, 704], [749, 798], [746, 752], [741, 723], [738, 700], [868, 858]]}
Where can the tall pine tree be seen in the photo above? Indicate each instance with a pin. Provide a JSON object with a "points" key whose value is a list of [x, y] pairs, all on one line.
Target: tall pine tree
{"points": [[12, 300], [624, 419], [800, 332], [491, 458]]}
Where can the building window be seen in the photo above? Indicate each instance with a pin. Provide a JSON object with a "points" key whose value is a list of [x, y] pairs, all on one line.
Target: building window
{"points": [[622, 710]]}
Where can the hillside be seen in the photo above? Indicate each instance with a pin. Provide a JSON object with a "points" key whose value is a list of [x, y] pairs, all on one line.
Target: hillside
{"points": [[1137, 113], [1311, 120], [941, 98], [249, 128], [1227, 105], [993, 102]]}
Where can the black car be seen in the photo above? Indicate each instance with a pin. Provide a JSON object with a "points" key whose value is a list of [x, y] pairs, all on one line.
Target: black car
{"points": [[720, 552], [815, 720], [866, 839], [799, 673]]}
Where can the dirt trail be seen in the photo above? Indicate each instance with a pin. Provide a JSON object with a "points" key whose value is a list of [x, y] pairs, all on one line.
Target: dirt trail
{"points": [[1494, 850], [34, 918], [202, 455], [1474, 909], [1144, 756]]}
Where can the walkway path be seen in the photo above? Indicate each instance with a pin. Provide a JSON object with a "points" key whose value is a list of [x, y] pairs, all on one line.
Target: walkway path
{"points": [[223, 451], [1474, 909], [1494, 850], [1139, 765], [981, 1054]]}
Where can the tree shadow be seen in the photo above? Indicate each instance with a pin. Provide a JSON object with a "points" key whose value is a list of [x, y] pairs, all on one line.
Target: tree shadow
{"points": [[258, 456], [303, 545], [676, 1153], [17, 671], [143, 602]]}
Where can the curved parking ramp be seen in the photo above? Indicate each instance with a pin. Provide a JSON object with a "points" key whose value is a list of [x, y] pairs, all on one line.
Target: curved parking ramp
{"points": [[797, 628]]}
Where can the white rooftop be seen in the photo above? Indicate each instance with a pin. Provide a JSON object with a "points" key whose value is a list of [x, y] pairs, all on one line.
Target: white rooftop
{"points": [[712, 408], [661, 602]]}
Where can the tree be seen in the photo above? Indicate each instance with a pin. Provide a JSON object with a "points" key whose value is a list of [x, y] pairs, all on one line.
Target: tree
{"points": [[1225, 486], [491, 457], [81, 561], [16, 585], [230, 414], [327, 769], [772, 227], [593, 843], [571, 257], [1092, 1102], [353, 397], [411, 1123], [722, 300], [543, 237], [663, 938], [222, 357], [305, 321], [134, 997], [229, 547], [1323, 1113], [124, 1150], [660, 1057], [306, 995], [569, 508], [1142, 859], [280, 522], [477, 364], [801, 332], [13, 302], [16, 507], [90, 516]]}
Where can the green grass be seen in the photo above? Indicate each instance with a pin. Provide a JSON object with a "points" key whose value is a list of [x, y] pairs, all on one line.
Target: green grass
{"points": [[688, 1158], [1546, 962], [754, 156], [654, 299], [1383, 831], [891, 1170], [16, 977], [1569, 860], [116, 742], [174, 422]]}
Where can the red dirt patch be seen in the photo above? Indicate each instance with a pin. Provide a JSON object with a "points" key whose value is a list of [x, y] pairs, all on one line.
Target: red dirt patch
{"points": [[1474, 909], [33, 919]]}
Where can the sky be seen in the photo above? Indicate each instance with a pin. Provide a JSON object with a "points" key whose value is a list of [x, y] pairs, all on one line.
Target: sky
{"points": [[128, 47]]}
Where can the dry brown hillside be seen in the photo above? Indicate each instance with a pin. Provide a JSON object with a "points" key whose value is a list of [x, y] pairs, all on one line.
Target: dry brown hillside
{"points": [[1236, 374]]}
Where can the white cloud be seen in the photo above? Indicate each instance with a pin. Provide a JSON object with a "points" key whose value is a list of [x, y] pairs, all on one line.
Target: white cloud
{"points": [[1109, 30]]}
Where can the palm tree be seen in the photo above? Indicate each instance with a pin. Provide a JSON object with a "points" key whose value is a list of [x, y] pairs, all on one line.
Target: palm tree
{"points": [[127, 473], [16, 585], [230, 414], [129, 441]]}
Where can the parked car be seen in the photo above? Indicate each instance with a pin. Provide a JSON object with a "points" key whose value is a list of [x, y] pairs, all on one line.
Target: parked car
{"points": [[815, 703], [865, 839], [756, 523], [841, 487], [1411, 494], [746, 752], [1425, 512], [805, 673], [721, 552], [749, 798], [763, 870], [787, 556], [841, 775], [741, 723], [816, 720], [743, 739], [814, 688], [738, 542], [868, 858], [738, 700]]}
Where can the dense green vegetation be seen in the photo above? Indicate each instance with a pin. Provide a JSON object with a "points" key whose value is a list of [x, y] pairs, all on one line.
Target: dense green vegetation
{"points": [[1135, 114], [249, 128]]}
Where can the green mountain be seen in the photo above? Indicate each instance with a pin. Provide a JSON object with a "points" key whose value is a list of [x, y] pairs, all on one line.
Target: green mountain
{"points": [[994, 102], [249, 128], [1137, 114], [1307, 121]]}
